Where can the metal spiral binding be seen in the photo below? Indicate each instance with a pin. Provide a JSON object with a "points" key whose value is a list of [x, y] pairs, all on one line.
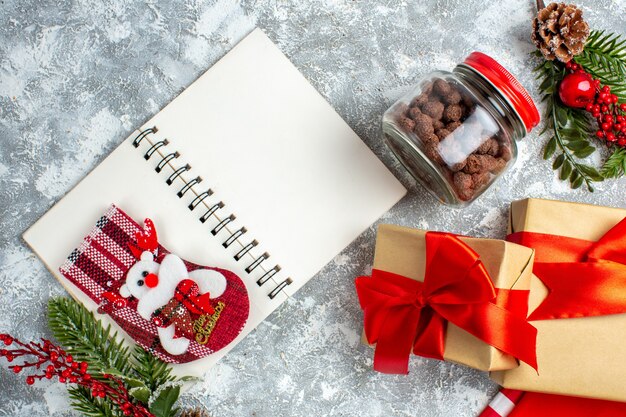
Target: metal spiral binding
{"points": [[223, 224], [215, 207], [257, 262], [177, 173], [269, 274], [165, 160], [142, 135], [236, 235], [199, 200], [188, 186], [279, 288], [154, 148], [246, 249]]}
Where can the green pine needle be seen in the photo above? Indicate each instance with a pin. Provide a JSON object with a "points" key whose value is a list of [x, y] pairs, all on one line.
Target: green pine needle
{"points": [[604, 57], [615, 165], [84, 402], [86, 338], [152, 371], [143, 374]]}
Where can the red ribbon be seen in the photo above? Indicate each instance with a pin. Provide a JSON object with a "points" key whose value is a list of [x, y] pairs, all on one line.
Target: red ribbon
{"points": [[535, 404], [584, 278], [404, 315]]}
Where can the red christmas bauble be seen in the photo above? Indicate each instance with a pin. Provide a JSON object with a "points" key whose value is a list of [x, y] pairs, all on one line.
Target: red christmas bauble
{"points": [[577, 90]]}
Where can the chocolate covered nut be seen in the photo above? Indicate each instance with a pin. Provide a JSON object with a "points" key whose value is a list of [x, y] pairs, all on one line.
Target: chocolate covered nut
{"points": [[480, 179], [453, 126], [467, 100], [432, 139], [489, 147], [452, 97], [499, 165], [406, 123], [489, 163], [505, 153], [465, 194], [416, 101], [472, 165], [452, 113], [420, 100], [432, 152], [434, 109], [442, 87], [465, 113], [495, 147], [468, 111], [464, 185], [423, 126], [414, 112], [442, 133], [438, 124], [479, 163]]}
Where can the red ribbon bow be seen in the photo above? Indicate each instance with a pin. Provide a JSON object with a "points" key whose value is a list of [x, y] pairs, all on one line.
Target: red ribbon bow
{"points": [[404, 315], [584, 278]]}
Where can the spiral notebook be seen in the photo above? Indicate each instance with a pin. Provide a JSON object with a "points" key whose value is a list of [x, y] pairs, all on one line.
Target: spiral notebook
{"points": [[249, 169]]}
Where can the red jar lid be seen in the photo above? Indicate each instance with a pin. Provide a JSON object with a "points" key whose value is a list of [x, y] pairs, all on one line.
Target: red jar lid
{"points": [[508, 85]]}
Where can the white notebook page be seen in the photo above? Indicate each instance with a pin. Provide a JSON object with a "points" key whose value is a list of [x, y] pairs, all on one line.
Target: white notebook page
{"points": [[269, 147], [293, 172]]}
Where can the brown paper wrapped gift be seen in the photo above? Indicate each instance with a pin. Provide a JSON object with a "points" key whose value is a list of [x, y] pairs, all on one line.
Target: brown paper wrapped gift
{"points": [[576, 356], [402, 251]]}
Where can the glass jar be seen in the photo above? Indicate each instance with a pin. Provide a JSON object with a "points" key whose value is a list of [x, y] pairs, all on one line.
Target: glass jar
{"points": [[456, 132]]}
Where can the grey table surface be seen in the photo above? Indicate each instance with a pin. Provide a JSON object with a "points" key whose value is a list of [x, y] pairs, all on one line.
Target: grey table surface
{"points": [[77, 76]]}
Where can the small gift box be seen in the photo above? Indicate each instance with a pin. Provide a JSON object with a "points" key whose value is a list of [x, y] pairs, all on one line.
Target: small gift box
{"points": [[577, 298], [447, 297]]}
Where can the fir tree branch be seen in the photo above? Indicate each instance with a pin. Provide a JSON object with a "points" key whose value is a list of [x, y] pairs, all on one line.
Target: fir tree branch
{"points": [[610, 48], [143, 374], [152, 371], [80, 333], [83, 401], [615, 165], [604, 57]]}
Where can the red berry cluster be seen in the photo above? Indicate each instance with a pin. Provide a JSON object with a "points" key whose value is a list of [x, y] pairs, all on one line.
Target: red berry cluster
{"points": [[606, 109], [63, 366]]}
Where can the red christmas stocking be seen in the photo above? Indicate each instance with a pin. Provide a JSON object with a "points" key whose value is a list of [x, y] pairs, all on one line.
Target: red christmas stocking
{"points": [[175, 309]]}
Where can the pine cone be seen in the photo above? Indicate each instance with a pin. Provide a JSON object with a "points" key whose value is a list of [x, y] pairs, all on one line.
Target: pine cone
{"points": [[560, 32], [194, 412]]}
